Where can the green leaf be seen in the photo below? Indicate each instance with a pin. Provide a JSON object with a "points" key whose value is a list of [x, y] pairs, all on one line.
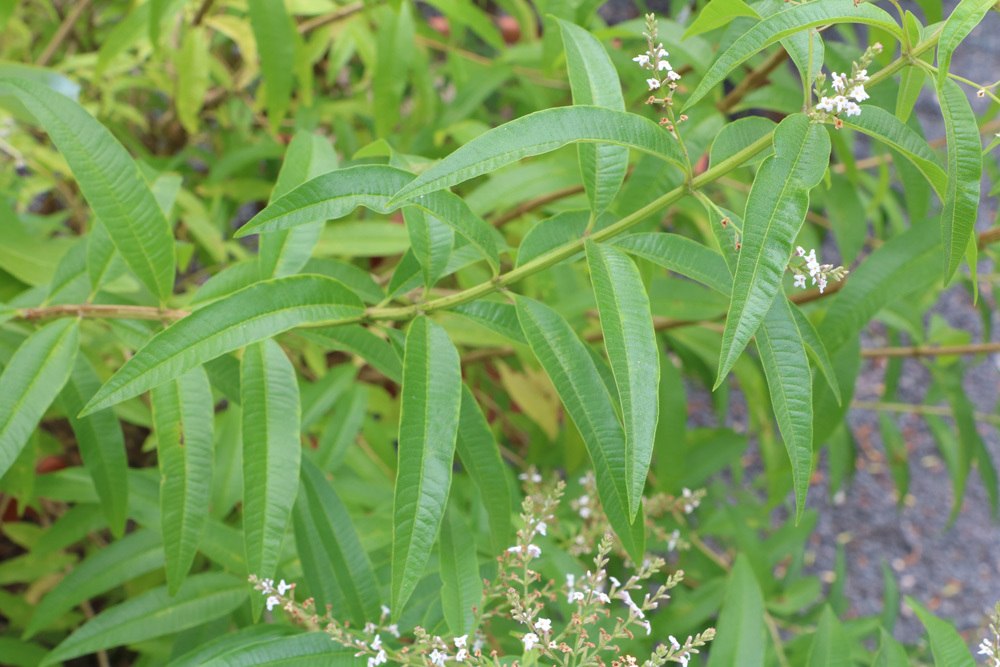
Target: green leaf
{"points": [[538, 133], [155, 613], [480, 456], [358, 340], [428, 426], [461, 584], [680, 255], [345, 422], [882, 125], [594, 81], [31, 380], [902, 265], [550, 233], [101, 443], [272, 448], [569, 365], [334, 562], [314, 648], [966, 16], [183, 416], [782, 24], [716, 14], [338, 193], [431, 241], [274, 32], [830, 647], [18, 653], [947, 646], [817, 349], [629, 338], [121, 561], [252, 314], [965, 169], [786, 367], [193, 67], [498, 317], [890, 652], [740, 638], [286, 251], [737, 135], [110, 181], [776, 209]]}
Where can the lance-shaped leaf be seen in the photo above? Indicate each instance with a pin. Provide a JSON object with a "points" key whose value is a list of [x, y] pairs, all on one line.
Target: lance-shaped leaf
{"points": [[337, 193], [269, 396], [741, 638], [500, 318], [569, 365], [827, 649], [193, 77], [428, 426], [252, 314], [461, 583], [965, 169], [890, 652], [121, 561], [274, 32], [102, 445], [335, 564], [313, 648], [817, 349], [284, 252], [960, 23], [776, 209], [681, 255], [358, 340], [32, 379], [183, 417], [882, 125], [431, 242], [594, 80], [947, 646], [543, 132], [789, 381], [629, 338], [776, 27], [155, 613], [109, 180], [480, 455]]}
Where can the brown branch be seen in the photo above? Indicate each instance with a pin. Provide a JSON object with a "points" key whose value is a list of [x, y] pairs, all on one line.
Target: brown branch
{"points": [[988, 237], [532, 204], [203, 10], [90, 310], [752, 81], [332, 17], [932, 350], [60, 35]]}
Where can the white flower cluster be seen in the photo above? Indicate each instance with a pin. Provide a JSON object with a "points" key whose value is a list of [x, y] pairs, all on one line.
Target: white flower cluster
{"points": [[850, 91], [685, 656], [820, 273], [439, 656], [991, 648], [268, 589], [655, 60], [691, 501]]}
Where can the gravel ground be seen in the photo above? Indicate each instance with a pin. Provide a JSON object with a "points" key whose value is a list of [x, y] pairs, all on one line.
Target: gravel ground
{"points": [[955, 571]]}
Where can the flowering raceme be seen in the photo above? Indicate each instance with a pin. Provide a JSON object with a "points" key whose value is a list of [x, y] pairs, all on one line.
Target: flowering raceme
{"points": [[848, 90]]}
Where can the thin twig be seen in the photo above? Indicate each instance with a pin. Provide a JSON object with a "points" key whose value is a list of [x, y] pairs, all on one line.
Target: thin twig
{"points": [[203, 10], [915, 409], [91, 310], [752, 81], [932, 350], [339, 15], [64, 29]]}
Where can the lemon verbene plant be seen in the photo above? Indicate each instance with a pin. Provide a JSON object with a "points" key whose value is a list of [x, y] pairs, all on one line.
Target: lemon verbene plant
{"points": [[302, 300]]}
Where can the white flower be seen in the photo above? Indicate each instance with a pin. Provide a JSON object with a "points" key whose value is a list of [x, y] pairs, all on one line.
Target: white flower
{"points": [[379, 659], [541, 528], [859, 93], [852, 109], [385, 611], [576, 596], [664, 65], [642, 59], [653, 83], [676, 535], [862, 74], [533, 551], [661, 52], [534, 477], [649, 628], [821, 283], [460, 641], [461, 655], [800, 281], [376, 644], [673, 76], [825, 104], [603, 597], [839, 81], [438, 658], [283, 587], [985, 649], [477, 643], [272, 602], [267, 586], [632, 606], [614, 582], [530, 640], [544, 625], [393, 630]]}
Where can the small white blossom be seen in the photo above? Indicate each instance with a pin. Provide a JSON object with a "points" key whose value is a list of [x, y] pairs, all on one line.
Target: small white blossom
{"points": [[603, 597], [649, 628], [800, 281], [642, 59], [664, 65], [461, 655], [380, 658], [541, 528], [272, 602], [393, 630], [533, 477], [544, 625], [576, 596], [614, 582], [632, 606], [985, 649], [673, 76], [839, 81], [859, 93], [861, 76], [438, 658], [460, 641], [376, 644], [653, 83], [385, 611], [267, 586], [825, 104], [530, 640], [283, 587]]}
